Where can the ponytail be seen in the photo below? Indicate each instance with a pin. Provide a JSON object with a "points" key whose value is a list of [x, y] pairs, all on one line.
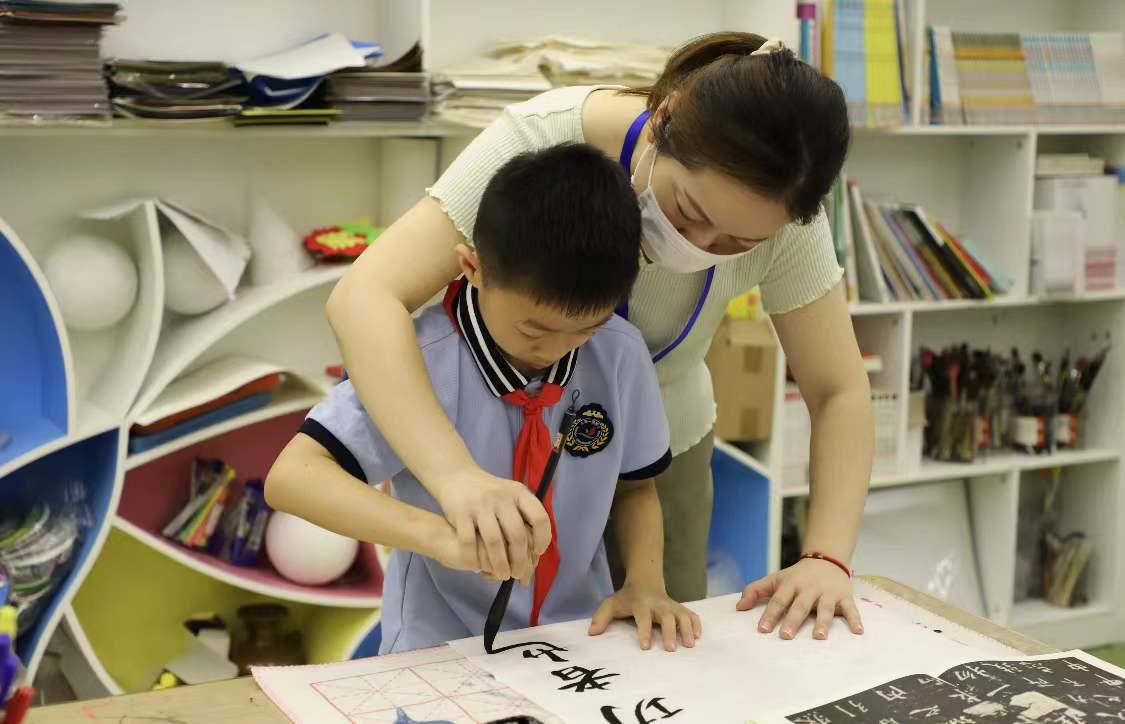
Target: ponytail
{"points": [[766, 119]]}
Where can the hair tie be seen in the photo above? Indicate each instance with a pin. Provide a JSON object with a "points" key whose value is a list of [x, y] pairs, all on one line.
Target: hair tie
{"points": [[770, 46]]}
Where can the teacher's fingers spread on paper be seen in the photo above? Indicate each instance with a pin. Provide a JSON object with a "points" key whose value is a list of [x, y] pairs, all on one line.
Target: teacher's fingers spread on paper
{"points": [[759, 590], [850, 613], [776, 608], [825, 612], [798, 613]]}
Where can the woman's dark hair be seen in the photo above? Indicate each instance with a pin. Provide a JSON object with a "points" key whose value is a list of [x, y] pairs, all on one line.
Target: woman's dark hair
{"points": [[770, 120]]}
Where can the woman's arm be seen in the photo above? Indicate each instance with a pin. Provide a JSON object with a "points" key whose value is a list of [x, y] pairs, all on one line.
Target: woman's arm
{"points": [[369, 311], [822, 352]]}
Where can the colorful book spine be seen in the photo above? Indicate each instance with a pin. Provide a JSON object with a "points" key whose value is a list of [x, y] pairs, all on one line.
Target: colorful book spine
{"points": [[945, 90], [850, 66], [883, 70]]}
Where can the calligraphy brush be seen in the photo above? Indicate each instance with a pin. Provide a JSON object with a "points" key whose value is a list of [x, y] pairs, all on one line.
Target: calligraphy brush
{"points": [[500, 603]]}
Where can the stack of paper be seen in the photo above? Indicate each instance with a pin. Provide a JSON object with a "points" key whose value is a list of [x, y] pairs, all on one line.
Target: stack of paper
{"points": [[379, 96], [567, 61], [476, 93], [50, 62], [286, 79], [174, 90]]}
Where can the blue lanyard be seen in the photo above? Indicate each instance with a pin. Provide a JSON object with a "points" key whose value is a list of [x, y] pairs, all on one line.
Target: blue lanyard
{"points": [[626, 160]]}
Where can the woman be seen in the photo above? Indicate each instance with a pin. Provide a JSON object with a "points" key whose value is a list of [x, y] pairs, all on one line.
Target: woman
{"points": [[730, 153]]}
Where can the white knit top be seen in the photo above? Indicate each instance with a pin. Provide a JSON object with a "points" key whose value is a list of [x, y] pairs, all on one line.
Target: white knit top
{"points": [[794, 268]]}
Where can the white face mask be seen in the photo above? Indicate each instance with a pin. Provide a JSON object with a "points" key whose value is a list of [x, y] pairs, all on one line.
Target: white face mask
{"points": [[661, 242]]}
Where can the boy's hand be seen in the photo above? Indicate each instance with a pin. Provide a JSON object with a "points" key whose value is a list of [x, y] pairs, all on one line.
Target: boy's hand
{"points": [[511, 522], [648, 606]]}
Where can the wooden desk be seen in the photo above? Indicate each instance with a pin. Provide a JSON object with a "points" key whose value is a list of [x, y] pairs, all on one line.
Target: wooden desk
{"points": [[240, 701]]}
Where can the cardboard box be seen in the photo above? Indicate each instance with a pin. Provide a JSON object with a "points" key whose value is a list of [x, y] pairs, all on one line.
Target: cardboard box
{"points": [[743, 364]]}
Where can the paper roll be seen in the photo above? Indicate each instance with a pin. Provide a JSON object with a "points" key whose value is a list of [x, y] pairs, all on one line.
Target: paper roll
{"points": [[408, 166]]}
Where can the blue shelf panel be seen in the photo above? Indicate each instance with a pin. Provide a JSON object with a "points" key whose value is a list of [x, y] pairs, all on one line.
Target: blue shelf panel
{"points": [[25, 434], [739, 540], [94, 463], [32, 368], [371, 642]]}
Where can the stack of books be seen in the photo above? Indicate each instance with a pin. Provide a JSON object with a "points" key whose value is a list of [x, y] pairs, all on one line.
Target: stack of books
{"points": [[1018, 78], [379, 95], [893, 251], [50, 59], [170, 90], [862, 47], [382, 91]]}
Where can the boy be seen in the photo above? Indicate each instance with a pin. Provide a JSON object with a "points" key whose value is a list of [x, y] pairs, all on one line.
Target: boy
{"points": [[519, 336]]}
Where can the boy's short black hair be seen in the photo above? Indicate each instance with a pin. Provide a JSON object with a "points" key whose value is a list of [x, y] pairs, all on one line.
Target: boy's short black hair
{"points": [[562, 225]]}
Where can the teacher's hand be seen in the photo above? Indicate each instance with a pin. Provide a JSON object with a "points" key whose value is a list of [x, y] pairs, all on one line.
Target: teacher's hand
{"points": [[807, 587], [512, 524]]}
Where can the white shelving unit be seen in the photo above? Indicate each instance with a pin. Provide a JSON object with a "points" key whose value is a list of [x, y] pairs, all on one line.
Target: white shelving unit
{"points": [[977, 180]]}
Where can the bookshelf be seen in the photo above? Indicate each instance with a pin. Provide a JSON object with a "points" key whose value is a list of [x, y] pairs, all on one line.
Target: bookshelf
{"points": [[975, 178]]}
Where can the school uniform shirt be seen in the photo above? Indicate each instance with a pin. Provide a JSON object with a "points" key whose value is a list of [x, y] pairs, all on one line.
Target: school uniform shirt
{"points": [[621, 433], [793, 268]]}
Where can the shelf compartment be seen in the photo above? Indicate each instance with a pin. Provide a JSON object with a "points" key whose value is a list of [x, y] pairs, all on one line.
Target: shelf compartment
{"points": [[95, 462], [1088, 498], [134, 649], [250, 324], [153, 493], [295, 394], [111, 363]]}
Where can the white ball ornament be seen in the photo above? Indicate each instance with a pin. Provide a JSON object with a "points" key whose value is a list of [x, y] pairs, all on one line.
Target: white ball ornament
{"points": [[94, 281], [306, 553]]}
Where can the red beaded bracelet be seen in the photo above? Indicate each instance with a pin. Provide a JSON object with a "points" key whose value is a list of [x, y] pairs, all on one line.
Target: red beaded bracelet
{"points": [[822, 557]]}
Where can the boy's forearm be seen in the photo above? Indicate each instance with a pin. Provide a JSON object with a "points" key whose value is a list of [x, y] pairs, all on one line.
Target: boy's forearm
{"points": [[317, 489], [639, 525]]}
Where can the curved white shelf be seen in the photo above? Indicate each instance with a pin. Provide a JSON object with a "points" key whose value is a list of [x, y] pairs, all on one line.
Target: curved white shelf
{"points": [[184, 342], [97, 423], [290, 398], [132, 342], [254, 580], [78, 635]]}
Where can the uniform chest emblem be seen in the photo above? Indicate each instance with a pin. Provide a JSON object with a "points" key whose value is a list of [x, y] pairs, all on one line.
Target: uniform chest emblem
{"points": [[591, 432]]}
